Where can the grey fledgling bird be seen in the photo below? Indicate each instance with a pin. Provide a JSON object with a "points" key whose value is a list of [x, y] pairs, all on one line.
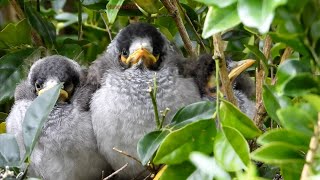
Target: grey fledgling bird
{"points": [[67, 147], [122, 110]]}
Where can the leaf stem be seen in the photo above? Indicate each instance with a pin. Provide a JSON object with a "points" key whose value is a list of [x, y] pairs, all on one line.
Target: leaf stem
{"points": [[153, 94], [218, 94]]}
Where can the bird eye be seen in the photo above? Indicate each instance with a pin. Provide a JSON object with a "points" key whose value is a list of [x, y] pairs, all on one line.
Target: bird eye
{"points": [[124, 52], [156, 52], [38, 86]]}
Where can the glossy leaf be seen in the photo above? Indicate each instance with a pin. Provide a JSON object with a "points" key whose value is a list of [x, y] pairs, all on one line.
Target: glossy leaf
{"points": [[12, 71], [294, 138], [9, 150], [273, 101], [15, 35], [218, 3], [292, 171], [45, 28], [314, 100], [233, 35], [203, 110], [275, 50], [288, 69], [233, 117], [219, 19], [278, 153], [149, 144], [296, 119], [231, 150], [113, 8], [301, 84], [207, 168], [36, 116], [150, 6], [291, 40], [177, 146], [258, 14], [178, 172], [255, 50]]}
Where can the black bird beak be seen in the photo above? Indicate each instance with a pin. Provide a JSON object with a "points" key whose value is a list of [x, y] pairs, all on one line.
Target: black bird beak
{"points": [[141, 54], [63, 97]]}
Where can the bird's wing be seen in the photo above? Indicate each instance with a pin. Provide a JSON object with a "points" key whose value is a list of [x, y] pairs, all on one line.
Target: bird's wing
{"points": [[97, 70]]}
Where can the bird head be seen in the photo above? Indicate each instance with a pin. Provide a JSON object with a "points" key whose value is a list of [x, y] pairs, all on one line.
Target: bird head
{"points": [[139, 46], [52, 70]]}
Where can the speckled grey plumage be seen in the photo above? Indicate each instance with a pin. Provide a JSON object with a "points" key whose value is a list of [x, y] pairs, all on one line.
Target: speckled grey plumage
{"points": [[66, 148]]}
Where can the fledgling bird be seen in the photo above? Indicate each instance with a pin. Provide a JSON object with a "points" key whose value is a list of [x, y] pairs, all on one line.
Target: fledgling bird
{"points": [[66, 149], [122, 110]]}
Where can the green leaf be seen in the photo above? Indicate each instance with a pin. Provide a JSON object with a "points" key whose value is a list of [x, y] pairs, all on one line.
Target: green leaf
{"points": [[278, 153], [301, 84], [275, 50], [294, 138], [287, 70], [203, 110], [292, 171], [149, 144], [177, 146], [150, 6], [234, 34], [231, 150], [233, 117], [273, 101], [178, 172], [296, 119], [15, 35], [9, 150], [218, 3], [36, 116], [258, 14], [12, 71], [292, 40], [219, 19], [44, 27], [313, 100], [255, 50], [207, 168], [112, 10]]}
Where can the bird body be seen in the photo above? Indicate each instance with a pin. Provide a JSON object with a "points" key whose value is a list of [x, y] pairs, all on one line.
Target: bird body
{"points": [[66, 148], [123, 110]]}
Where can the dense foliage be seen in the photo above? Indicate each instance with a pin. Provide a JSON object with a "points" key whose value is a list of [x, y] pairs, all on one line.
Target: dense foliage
{"points": [[204, 140]]}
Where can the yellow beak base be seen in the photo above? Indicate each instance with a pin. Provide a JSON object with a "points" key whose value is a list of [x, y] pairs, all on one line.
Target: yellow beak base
{"points": [[148, 58], [64, 96]]}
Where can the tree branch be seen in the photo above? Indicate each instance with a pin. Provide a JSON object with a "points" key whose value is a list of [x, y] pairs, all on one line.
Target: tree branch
{"points": [[218, 53], [173, 10], [260, 76], [287, 52]]}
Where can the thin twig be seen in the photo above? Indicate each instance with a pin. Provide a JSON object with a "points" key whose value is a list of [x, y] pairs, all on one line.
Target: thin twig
{"points": [[126, 154], [287, 52], [79, 20], [163, 116], [218, 94], [153, 94], [313, 147], [192, 26], [218, 53], [116, 172], [260, 76], [107, 27], [172, 7]]}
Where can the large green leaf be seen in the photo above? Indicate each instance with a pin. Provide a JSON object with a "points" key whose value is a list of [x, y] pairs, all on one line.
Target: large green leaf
{"points": [[292, 171], [44, 27], [313, 100], [301, 84], [231, 150], [203, 110], [12, 70], [287, 70], [149, 144], [207, 168], [36, 116], [177, 146], [273, 101], [233, 117], [15, 35], [150, 6], [112, 10], [278, 153], [258, 14], [292, 40], [9, 150], [178, 172], [294, 138], [219, 19], [296, 119], [255, 50]]}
